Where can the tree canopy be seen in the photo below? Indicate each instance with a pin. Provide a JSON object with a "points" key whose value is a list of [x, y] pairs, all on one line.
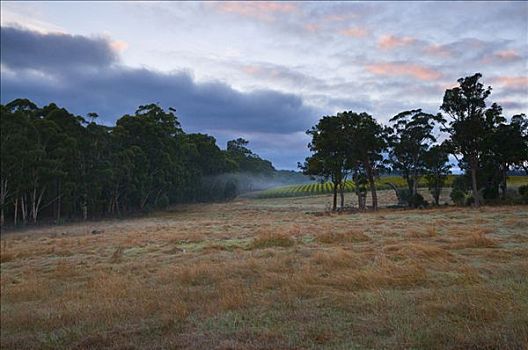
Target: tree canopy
{"points": [[57, 165], [485, 144]]}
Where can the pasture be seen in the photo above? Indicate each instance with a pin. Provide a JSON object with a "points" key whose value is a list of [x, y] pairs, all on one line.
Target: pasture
{"points": [[271, 274]]}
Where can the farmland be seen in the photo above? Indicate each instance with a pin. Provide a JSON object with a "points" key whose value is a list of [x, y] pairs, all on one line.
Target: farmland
{"points": [[381, 183], [277, 273]]}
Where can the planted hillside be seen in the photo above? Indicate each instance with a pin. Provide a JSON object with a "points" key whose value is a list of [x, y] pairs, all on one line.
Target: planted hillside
{"points": [[382, 183], [327, 187]]}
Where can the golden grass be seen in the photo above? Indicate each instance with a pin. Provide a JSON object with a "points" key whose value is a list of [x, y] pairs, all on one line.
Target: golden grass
{"points": [[475, 239], [343, 237], [272, 239], [268, 274]]}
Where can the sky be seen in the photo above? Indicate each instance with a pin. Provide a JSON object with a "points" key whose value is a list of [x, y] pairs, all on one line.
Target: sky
{"points": [[264, 71]]}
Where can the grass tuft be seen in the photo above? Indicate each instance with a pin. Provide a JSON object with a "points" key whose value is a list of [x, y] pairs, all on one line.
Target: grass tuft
{"points": [[272, 239]]}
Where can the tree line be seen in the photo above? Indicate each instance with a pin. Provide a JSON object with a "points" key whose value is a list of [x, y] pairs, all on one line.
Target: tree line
{"points": [[56, 165], [417, 144]]}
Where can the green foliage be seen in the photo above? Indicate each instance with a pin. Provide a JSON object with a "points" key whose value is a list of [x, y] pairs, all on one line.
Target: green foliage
{"points": [[410, 138], [472, 126], [415, 200], [523, 191], [230, 190], [56, 165], [245, 160], [460, 194], [436, 170], [343, 144]]}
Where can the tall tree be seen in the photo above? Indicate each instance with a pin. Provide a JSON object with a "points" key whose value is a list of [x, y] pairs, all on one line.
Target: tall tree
{"points": [[436, 170], [246, 160], [329, 147], [153, 137], [17, 136], [466, 105], [506, 148], [410, 138], [365, 142]]}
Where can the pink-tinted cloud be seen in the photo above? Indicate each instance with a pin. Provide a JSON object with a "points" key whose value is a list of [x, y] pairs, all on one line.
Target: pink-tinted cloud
{"points": [[503, 56], [507, 55], [262, 10], [512, 82], [118, 45], [405, 69], [339, 17], [438, 51], [388, 42], [312, 27], [251, 70], [354, 32]]}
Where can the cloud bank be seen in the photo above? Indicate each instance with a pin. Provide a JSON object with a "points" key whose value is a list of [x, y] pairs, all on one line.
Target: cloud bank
{"points": [[84, 74]]}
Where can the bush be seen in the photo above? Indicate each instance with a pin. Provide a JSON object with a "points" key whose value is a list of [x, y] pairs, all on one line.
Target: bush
{"points": [[523, 191], [458, 196], [230, 190], [163, 201], [416, 201], [460, 193]]}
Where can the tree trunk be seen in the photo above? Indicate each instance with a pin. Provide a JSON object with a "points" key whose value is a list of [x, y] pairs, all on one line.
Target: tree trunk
{"points": [[3, 196], [35, 203], [16, 212], [361, 200], [437, 190], [334, 204], [84, 208], [23, 208], [372, 185], [476, 201], [342, 194], [59, 201], [408, 178], [415, 186], [504, 185]]}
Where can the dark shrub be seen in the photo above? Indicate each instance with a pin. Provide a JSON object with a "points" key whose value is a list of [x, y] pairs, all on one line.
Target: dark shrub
{"points": [[523, 191]]}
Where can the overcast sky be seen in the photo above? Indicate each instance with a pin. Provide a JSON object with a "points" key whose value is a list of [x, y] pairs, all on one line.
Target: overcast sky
{"points": [[265, 71]]}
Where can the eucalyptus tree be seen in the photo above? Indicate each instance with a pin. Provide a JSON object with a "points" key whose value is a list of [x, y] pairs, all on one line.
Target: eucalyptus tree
{"points": [[329, 147], [17, 136], [436, 170], [149, 140], [247, 162], [365, 142], [507, 148], [466, 106], [410, 138]]}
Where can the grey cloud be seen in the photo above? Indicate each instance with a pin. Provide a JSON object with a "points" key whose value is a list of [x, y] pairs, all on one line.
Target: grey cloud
{"points": [[113, 90], [33, 50]]}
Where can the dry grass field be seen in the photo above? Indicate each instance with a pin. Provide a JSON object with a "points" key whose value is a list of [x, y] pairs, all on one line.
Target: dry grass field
{"points": [[271, 274]]}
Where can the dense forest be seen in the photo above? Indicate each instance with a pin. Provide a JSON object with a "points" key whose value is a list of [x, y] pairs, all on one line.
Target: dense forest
{"points": [[57, 166], [486, 145]]}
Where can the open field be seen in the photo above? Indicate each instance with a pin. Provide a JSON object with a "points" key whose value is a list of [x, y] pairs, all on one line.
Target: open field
{"points": [[271, 274], [315, 188]]}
